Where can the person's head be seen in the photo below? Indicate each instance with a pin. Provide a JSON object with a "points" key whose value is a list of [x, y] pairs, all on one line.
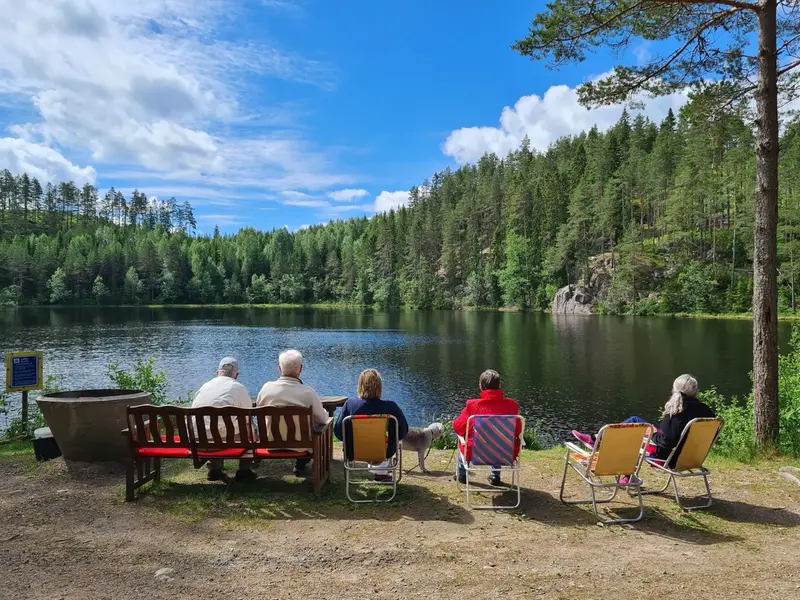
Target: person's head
{"points": [[290, 363], [228, 367], [370, 385], [685, 385], [489, 380]]}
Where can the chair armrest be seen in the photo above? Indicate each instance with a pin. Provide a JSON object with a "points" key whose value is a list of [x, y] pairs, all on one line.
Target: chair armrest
{"points": [[125, 431], [573, 448], [461, 440], [320, 429]]}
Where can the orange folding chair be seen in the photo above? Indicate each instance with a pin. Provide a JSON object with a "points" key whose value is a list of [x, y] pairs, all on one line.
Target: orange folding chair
{"points": [[365, 439]]}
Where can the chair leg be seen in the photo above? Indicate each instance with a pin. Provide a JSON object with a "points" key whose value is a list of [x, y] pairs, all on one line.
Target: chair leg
{"points": [[709, 498], [564, 479], [157, 467]]}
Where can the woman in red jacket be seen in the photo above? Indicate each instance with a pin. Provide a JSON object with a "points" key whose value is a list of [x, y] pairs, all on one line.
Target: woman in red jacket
{"points": [[491, 402]]}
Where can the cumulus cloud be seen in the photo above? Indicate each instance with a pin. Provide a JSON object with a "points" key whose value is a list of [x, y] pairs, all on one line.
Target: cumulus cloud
{"points": [[42, 162], [544, 119], [348, 195], [386, 201], [152, 85]]}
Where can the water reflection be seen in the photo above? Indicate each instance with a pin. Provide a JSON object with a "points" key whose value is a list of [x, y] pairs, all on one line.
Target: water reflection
{"points": [[565, 371]]}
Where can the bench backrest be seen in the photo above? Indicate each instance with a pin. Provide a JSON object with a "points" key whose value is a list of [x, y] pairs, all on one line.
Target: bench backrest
{"points": [[158, 426], [283, 427], [217, 428]]}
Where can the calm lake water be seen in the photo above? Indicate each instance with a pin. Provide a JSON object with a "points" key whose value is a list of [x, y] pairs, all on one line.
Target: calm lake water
{"points": [[566, 372]]}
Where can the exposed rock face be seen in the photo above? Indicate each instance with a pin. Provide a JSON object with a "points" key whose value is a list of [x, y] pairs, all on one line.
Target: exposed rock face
{"points": [[572, 300]]}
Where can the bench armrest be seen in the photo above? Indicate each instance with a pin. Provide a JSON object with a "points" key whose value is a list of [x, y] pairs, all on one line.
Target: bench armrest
{"points": [[319, 429]]}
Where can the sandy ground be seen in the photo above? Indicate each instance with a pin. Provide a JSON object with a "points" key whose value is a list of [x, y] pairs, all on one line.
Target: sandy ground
{"points": [[75, 538]]}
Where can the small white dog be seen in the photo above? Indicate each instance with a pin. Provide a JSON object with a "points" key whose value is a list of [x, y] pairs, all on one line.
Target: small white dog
{"points": [[420, 440]]}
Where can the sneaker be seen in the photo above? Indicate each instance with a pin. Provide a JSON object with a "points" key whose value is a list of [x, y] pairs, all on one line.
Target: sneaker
{"points": [[495, 481], [584, 438], [245, 475], [299, 472], [462, 479], [383, 477], [624, 480], [216, 475]]}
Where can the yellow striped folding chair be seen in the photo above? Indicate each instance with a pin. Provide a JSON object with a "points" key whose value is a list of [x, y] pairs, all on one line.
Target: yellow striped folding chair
{"points": [[492, 444], [687, 458], [365, 439], [613, 464]]}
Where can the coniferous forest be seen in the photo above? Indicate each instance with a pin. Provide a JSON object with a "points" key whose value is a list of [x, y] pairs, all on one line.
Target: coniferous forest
{"points": [[650, 217]]}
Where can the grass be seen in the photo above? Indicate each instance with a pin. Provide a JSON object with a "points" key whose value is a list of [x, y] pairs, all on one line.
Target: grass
{"points": [[16, 448]]}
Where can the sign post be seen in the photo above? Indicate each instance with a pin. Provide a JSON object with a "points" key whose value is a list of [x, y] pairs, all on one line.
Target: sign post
{"points": [[24, 373]]}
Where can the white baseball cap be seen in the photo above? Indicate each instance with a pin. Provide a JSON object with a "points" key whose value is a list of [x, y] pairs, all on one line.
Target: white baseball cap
{"points": [[229, 362]]}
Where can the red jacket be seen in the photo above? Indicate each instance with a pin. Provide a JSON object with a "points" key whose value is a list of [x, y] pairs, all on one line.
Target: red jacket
{"points": [[491, 402]]}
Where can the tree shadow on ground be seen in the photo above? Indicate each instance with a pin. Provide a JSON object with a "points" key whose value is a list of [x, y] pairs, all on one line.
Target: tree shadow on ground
{"points": [[275, 495], [743, 512]]}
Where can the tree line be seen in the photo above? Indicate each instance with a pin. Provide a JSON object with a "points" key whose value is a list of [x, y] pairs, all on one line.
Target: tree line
{"points": [[662, 212]]}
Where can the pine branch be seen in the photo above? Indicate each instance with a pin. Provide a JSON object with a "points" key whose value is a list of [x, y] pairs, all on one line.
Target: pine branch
{"points": [[739, 4]]}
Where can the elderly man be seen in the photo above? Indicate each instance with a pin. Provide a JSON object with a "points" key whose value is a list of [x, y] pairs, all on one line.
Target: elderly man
{"points": [[224, 390], [288, 390]]}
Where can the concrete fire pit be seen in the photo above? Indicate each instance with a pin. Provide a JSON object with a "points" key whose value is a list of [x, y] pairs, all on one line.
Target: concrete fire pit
{"points": [[87, 423]]}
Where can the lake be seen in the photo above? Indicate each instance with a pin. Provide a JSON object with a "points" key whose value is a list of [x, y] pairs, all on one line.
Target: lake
{"points": [[566, 372]]}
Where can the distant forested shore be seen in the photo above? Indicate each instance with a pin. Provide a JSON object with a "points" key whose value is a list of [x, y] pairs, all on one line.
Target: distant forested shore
{"points": [[648, 218]]}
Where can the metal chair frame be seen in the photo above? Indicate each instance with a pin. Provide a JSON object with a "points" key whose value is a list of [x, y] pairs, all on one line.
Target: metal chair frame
{"points": [[585, 469], [395, 463], [514, 467], [672, 474]]}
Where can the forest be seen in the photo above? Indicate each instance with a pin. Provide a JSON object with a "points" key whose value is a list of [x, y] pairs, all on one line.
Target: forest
{"points": [[665, 208]]}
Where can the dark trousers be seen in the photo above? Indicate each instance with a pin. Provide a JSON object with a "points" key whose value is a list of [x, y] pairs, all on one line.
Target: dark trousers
{"points": [[217, 464], [301, 463], [462, 469]]}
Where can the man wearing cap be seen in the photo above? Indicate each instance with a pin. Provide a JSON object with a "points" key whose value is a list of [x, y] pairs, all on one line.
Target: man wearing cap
{"points": [[224, 390]]}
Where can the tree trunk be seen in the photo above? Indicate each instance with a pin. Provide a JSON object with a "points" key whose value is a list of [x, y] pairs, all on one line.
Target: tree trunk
{"points": [[765, 287]]}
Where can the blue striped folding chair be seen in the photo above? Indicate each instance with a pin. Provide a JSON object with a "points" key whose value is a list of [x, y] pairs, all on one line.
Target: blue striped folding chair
{"points": [[494, 447]]}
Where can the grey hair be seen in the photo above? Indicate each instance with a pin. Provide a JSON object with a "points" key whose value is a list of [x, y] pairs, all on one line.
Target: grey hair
{"points": [[291, 362], [227, 371], [685, 385]]}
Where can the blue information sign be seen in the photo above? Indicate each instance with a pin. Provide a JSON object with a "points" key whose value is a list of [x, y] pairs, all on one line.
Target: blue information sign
{"points": [[23, 371]]}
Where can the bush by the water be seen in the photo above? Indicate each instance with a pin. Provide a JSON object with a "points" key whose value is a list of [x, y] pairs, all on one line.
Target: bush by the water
{"points": [[736, 440], [13, 425]]}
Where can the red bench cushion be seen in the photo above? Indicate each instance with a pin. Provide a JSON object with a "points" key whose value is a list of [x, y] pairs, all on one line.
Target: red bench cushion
{"points": [[266, 453], [162, 452], [227, 453]]}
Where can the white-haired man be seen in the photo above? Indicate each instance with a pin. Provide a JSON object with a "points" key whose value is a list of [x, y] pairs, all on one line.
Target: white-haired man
{"points": [[288, 390], [224, 390]]}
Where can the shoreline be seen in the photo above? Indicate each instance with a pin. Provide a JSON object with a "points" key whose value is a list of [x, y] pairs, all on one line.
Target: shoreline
{"points": [[787, 317]]}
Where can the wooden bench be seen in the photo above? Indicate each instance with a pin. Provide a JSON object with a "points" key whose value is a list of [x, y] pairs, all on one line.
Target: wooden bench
{"points": [[202, 434]]}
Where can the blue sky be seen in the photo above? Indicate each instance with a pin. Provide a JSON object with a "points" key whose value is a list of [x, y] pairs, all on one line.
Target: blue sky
{"points": [[277, 112]]}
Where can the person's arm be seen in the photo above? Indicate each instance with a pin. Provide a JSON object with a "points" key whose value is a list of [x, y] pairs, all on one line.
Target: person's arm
{"points": [[402, 423], [345, 412], [320, 415], [460, 422], [666, 437]]}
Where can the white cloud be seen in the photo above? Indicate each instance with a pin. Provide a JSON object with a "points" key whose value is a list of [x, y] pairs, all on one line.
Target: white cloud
{"points": [[344, 208], [348, 195], [37, 160], [307, 203], [544, 119], [388, 200], [295, 195], [154, 85]]}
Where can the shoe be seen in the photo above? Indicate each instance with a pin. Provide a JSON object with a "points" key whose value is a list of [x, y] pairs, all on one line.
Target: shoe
{"points": [[624, 480], [584, 438], [299, 472], [462, 479], [245, 475], [216, 475], [383, 477], [495, 481]]}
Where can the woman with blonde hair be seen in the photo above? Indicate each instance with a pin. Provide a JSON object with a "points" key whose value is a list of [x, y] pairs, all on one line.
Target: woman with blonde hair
{"points": [[368, 402], [682, 407]]}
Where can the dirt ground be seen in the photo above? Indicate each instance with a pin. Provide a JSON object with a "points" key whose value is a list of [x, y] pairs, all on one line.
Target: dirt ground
{"points": [[72, 538]]}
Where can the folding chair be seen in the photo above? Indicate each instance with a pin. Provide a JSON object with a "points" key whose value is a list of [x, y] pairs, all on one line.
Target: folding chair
{"points": [[495, 447], [368, 437], [618, 452], [687, 458]]}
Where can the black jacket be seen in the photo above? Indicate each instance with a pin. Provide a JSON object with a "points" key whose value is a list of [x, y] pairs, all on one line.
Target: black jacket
{"points": [[669, 432]]}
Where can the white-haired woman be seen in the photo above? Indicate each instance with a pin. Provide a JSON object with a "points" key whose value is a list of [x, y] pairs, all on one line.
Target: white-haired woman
{"points": [[682, 407]]}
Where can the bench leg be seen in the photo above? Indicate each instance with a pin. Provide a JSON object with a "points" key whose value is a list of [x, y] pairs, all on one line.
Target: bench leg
{"points": [[130, 469], [157, 469]]}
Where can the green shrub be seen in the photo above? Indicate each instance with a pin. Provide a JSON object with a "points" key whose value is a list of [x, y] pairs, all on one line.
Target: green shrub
{"points": [[144, 377], [737, 437], [13, 426]]}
